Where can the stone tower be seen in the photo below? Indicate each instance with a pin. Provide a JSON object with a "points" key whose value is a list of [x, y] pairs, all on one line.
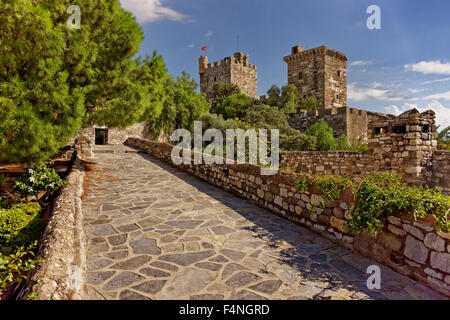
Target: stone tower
{"points": [[234, 69], [319, 72]]}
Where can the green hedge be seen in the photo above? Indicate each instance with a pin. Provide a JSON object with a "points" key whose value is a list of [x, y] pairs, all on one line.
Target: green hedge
{"points": [[20, 224]]}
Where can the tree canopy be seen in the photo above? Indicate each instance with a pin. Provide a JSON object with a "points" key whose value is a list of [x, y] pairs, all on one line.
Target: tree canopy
{"points": [[54, 80]]}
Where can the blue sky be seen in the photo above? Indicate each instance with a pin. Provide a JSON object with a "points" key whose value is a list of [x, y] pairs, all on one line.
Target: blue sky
{"points": [[405, 64]]}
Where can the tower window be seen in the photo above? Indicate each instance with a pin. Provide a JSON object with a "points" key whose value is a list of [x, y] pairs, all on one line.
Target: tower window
{"points": [[400, 129], [215, 79], [337, 96], [338, 73], [426, 128], [300, 75]]}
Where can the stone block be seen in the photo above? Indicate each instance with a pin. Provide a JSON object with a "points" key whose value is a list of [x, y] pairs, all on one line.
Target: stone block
{"points": [[433, 241], [440, 261], [415, 250], [413, 230]]}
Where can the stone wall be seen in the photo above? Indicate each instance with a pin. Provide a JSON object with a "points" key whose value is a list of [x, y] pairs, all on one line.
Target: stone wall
{"points": [[440, 173], [115, 135], [413, 248], [234, 69], [319, 72], [345, 163], [349, 121]]}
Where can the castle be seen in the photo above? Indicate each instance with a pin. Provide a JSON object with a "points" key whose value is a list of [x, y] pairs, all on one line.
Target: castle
{"points": [[234, 69], [318, 72]]}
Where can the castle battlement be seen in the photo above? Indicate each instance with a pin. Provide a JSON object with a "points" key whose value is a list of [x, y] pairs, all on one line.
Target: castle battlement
{"points": [[233, 69], [319, 72]]}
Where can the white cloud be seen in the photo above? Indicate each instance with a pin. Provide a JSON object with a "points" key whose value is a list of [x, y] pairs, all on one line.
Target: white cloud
{"points": [[442, 113], [151, 10], [358, 63], [209, 34], [439, 96], [191, 46], [437, 80], [416, 90], [360, 94], [429, 67]]}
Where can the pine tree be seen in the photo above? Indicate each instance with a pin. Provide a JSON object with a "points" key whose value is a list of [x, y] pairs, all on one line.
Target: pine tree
{"points": [[54, 80]]}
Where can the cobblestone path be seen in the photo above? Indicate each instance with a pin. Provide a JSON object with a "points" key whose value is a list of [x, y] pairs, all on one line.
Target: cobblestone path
{"points": [[157, 233]]}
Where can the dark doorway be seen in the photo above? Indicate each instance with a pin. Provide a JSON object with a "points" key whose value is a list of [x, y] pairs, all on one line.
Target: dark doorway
{"points": [[101, 136]]}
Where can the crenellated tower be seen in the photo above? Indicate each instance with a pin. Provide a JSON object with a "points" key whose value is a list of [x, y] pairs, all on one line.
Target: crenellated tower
{"points": [[236, 69]]}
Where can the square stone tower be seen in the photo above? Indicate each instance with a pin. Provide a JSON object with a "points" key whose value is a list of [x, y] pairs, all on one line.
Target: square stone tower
{"points": [[319, 72], [234, 69]]}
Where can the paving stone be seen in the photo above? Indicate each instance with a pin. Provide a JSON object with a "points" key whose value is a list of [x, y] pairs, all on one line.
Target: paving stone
{"points": [[118, 240], [241, 279], [121, 280], [151, 287], [246, 295], [144, 246], [131, 295], [233, 254], [163, 265], [268, 286], [207, 296], [132, 263], [98, 277], [185, 259], [185, 224], [187, 283], [118, 255], [221, 230], [98, 264], [208, 266], [230, 268], [128, 228], [154, 273]]}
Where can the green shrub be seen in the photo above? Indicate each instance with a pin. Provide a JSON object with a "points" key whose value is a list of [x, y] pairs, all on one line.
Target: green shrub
{"points": [[13, 267], [384, 194], [20, 224], [2, 179], [379, 195], [41, 177]]}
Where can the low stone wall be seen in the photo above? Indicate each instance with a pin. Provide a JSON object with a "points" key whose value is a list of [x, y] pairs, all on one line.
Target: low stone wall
{"points": [[440, 173], [60, 274], [413, 248], [344, 163]]}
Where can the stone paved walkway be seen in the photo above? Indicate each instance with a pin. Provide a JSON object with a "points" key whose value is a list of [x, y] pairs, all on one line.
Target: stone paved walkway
{"points": [[157, 233]]}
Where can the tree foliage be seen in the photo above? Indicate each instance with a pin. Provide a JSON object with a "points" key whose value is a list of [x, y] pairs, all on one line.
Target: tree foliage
{"points": [[223, 90], [325, 139], [234, 106], [54, 80], [181, 106]]}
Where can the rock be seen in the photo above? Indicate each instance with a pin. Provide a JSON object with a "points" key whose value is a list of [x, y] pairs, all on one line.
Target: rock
{"points": [[155, 273], [144, 246], [440, 261], [230, 268], [123, 279], [433, 241], [222, 230], [241, 279], [185, 259], [395, 221], [268, 286], [415, 250], [207, 296], [433, 273], [246, 295], [185, 224], [187, 283], [151, 287], [338, 212], [132, 263], [338, 224], [390, 241], [99, 277], [232, 254], [131, 295], [413, 230], [118, 240], [397, 231]]}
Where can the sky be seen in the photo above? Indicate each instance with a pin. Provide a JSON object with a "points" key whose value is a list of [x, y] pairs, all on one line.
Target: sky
{"points": [[403, 65]]}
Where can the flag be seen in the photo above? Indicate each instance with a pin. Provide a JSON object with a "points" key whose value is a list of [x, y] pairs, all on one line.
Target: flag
{"points": [[203, 48]]}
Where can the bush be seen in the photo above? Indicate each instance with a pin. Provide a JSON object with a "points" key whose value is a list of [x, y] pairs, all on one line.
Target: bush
{"points": [[325, 139], [13, 267], [41, 177], [20, 224], [234, 106], [379, 195]]}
